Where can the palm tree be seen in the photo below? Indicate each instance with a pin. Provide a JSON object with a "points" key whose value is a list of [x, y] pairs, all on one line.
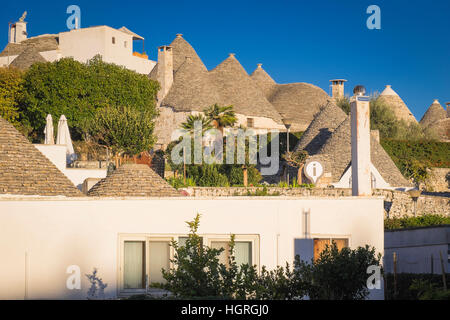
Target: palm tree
{"points": [[221, 117], [189, 124]]}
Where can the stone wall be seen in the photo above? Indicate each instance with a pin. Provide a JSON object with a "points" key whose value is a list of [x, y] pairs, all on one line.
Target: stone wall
{"points": [[396, 203], [438, 180]]}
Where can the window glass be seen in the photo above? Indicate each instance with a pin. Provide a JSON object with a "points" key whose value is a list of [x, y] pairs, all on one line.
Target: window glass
{"points": [[159, 258], [134, 264], [243, 253]]}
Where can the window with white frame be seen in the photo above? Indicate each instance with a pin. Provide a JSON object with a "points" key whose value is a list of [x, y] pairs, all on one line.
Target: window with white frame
{"points": [[143, 257]]}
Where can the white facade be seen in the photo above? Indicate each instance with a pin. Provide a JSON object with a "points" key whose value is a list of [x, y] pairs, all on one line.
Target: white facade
{"points": [[115, 46], [41, 237], [57, 155]]}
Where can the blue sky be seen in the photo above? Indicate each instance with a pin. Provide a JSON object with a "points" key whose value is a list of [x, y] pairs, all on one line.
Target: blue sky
{"points": [[297, 41]]}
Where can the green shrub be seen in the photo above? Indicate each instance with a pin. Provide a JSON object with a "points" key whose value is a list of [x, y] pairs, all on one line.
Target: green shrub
{"points": [[426, 220], [78, 90], [415, 286], [236, 175], [430, 153], [210, 177]]}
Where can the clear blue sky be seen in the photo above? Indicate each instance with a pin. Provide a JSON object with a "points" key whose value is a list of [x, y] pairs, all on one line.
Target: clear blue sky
{"points": [[297, 41]]}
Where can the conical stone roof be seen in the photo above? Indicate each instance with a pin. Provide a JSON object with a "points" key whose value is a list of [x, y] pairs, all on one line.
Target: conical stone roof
{"points": [[263, 80], [24, 170], [398, 106], [182, 49], [434, 113], [299, 102], [238, 89], [133, 180], [337, 152], [191, 90], [321, 128], [28, 57]]}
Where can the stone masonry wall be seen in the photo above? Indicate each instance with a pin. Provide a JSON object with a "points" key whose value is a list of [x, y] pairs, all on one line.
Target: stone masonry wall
{"points": [[396, 203], [438, 180]]}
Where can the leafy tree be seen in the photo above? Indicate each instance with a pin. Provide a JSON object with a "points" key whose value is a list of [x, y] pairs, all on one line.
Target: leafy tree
{"points": [[337, 274], [221, 117], [78, 90], [11, 85], [125, 130], [344, 104], [297, 159]]}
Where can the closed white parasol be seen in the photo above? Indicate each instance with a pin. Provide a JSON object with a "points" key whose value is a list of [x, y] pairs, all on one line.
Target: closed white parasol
{"points": [[48, 131], [63, 138]]}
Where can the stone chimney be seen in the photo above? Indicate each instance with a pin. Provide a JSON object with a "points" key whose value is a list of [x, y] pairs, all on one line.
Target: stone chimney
{"points": [[337, 88], [165, 70], [18, 32], [360, 131], [448, 109]]}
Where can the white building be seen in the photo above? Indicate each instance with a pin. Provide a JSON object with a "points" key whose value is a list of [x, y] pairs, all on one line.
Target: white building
{"points": [[114, 45], [50, 232]]}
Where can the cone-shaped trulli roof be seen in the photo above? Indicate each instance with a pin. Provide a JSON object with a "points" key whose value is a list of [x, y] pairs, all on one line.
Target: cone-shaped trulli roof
{"points": [[321, 128], [24, 170], [238, 89], [41, 43], [434, 113], [182, 49], [263, 80], [191, 90], [133, 180], [28, 57], [337, 152], [393, 100], [298, 101]]}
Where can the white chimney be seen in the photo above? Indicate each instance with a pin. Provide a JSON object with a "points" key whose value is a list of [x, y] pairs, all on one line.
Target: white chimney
{"points": [[165, 70], [360, 121]]}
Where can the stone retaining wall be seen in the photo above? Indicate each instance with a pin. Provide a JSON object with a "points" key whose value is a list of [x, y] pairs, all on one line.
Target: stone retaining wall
{"points": [[396, 203]]}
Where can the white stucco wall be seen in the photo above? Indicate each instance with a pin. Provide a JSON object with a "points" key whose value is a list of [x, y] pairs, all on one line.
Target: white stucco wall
{"points": [[57, 155], [40, 238], [6, 61], [84, 44]]}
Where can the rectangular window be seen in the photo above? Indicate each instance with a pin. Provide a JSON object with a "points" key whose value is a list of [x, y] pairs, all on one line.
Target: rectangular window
{"points": [[134, 265], [242, 252], [113, 40], [250, 122], [125, 44], [159, 258], [143, 257], [320, 245]]}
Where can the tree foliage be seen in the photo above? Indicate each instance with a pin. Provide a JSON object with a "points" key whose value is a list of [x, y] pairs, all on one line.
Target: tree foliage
{"points": [[11, 83], [198, 273], [125, 130], [78, 90], [221, 116]]}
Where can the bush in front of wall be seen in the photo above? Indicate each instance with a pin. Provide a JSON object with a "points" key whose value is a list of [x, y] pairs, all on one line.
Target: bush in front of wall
{"points": [[426, 220]]}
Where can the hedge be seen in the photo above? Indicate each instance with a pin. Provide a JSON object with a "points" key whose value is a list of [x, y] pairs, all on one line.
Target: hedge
{"points": [[431, 153]]}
